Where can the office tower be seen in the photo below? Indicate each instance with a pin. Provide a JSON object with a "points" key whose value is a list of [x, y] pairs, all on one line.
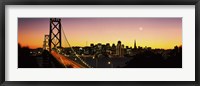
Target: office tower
{"points": [[135, 47], [119, 49]]}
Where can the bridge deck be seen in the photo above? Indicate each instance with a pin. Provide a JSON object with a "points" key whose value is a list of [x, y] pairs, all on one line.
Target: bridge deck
{"points": [[66, 61]]}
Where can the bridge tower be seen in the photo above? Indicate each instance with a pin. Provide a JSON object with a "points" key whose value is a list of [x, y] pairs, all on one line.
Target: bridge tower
{"points": [[45, 43], [55, 33]]}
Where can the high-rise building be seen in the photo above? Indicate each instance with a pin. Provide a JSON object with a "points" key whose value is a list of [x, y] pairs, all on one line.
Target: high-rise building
{"points": [[99, 45], [113, 46], [135, 46], [113, 49], [92, 45], [107, 45], [119, 49]]}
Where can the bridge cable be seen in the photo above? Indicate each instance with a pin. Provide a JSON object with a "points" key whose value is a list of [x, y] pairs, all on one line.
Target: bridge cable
{"points": [[73, 49]]}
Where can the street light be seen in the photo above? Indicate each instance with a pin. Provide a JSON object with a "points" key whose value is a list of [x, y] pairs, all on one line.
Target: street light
{"points": [[111, 65], [93, 57]]}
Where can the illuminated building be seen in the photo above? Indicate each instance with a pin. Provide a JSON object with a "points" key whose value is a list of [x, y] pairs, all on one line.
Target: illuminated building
{"points": [[120, 49]]}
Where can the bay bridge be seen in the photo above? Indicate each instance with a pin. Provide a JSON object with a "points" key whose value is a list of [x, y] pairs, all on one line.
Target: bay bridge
{"points": [[53, 44]]}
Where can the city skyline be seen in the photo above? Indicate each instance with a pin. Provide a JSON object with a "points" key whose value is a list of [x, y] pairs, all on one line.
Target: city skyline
{"points": [[151, 32], [115, 44]]}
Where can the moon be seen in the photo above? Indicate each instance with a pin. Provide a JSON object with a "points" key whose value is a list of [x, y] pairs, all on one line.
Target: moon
{"points": [[141, 28]]}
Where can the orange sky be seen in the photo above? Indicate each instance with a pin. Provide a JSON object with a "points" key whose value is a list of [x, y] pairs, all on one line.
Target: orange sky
{"points": [[153, 32]]}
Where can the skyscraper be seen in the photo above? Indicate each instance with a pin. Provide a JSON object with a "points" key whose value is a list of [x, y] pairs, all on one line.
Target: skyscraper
{"points": [[119, 49], [135, 47]]}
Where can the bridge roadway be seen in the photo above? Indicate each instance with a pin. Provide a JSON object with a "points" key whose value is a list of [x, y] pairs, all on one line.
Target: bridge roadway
{"points": [[65, 61]]}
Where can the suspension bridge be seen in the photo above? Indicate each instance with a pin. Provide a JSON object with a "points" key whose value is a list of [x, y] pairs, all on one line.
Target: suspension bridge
{"points": [[53, 44]]}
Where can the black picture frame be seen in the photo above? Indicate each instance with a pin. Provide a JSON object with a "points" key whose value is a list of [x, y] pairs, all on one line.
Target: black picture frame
{"points": [[98, 2]]}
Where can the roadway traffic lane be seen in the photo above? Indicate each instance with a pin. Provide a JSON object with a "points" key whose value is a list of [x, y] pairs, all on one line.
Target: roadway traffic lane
{"points": [[65, 61]]}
